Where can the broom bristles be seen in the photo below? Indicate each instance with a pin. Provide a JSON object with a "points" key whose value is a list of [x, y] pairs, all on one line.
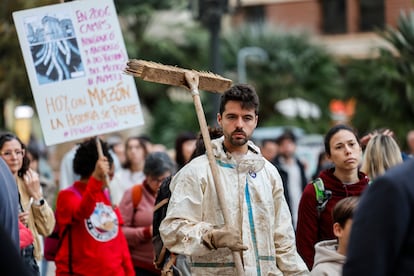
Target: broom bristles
{"points": [[175, 76]]}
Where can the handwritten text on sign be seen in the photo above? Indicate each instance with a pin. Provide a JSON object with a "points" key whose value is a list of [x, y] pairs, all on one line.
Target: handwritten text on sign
{"points": [[113, 106], [94, 96]]}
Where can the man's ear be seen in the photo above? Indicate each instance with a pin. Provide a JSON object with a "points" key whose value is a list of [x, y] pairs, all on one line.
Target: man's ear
{"points": [[337, 230], [219, 119]]}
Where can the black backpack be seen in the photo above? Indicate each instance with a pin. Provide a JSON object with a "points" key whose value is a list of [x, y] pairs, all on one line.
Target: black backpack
{"points": [[163, 258]]}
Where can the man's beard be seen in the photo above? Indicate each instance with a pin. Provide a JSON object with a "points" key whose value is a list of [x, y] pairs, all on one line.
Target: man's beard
{"points": [[239, 141]]}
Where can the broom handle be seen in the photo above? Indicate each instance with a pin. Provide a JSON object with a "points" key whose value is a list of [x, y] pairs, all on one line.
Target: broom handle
{"points": [[192, 80], [100, 155]]}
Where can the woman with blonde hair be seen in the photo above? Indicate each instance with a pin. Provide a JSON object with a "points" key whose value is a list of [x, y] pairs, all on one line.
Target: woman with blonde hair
{"points": [[381, 153]]}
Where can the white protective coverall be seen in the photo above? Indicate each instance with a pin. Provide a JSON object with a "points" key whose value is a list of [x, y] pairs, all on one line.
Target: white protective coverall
{"points": [[254, 196]]}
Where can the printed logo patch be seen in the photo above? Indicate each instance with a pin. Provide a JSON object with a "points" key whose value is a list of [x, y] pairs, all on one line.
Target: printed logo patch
{"points": [[103, 223], [252, 174]]}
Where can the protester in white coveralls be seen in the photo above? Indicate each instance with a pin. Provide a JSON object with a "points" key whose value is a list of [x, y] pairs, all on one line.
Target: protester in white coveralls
{"points": [[260, 225]]}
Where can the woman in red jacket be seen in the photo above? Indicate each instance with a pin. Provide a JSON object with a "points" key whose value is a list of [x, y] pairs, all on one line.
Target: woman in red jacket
{"points": [[343, 148], [90, 229]]}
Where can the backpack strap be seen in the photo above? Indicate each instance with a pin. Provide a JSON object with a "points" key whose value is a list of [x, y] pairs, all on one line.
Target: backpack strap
{"points": [[63, 235], [159, 260], [136, 195], [167, 270], [322, 195], [70, 257], [161, 203]]}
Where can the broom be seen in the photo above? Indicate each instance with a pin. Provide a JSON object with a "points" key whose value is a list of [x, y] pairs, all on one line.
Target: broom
{"points": [[107, 181], [193, 80], [172, 75]]}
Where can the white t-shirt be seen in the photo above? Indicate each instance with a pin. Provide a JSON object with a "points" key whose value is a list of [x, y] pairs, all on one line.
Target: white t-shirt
{"points": [[122, 181]]}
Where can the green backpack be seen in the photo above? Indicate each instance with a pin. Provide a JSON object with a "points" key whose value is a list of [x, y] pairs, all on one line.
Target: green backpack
{"points": [[322, 195]]}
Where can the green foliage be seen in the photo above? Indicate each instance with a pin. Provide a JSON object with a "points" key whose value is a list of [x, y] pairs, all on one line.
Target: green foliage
{"points": [[296, 68], [14, 83], [135, 6], [136, 15], [13, 77], [171, 118], [186, 50], [384, 86], [403, 40]]}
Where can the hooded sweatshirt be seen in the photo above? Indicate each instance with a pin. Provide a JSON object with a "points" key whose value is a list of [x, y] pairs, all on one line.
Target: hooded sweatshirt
{"points": [[328, 262], [311, 228]]}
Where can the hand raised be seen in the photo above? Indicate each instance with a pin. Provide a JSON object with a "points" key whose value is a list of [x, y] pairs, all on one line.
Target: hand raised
{"points": [[32, 182], [101, 169], [24, 217]]}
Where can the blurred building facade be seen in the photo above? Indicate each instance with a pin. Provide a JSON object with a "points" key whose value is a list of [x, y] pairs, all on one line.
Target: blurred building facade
{"points": [[346, 27]]}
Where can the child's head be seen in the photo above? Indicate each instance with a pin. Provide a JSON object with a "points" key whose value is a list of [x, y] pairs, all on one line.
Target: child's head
{"points": [[342, 218]]}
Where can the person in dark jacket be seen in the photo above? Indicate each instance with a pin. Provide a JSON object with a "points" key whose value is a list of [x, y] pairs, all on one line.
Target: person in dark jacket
{"points": [[292, 171], [344, 179], [9, 204], [382, 235], [11, 262]]}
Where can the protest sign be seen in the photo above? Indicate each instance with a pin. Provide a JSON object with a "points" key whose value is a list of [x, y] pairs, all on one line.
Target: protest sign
{"points": [[75, 55]]}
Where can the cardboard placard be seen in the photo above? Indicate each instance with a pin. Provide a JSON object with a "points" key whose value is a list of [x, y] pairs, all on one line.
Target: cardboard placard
{"points": [[75, 55]]}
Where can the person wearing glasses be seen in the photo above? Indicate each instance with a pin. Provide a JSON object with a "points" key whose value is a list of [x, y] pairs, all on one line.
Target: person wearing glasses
{"points": [[138, 214], [35, 212]]}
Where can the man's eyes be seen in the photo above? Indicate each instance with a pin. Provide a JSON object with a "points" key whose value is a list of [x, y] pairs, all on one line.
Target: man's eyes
{"points": [[246, 118]]}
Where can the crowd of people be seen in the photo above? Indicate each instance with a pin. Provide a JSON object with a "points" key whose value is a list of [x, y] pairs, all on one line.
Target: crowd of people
{"points": [[260, 213]]}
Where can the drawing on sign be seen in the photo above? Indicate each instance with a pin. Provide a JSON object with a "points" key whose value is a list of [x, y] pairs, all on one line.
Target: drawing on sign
{"points": [[53, 47], [75, 56]]}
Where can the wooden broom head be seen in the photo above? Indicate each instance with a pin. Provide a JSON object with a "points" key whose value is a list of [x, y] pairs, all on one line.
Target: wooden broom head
{"points": [[175, 76]]}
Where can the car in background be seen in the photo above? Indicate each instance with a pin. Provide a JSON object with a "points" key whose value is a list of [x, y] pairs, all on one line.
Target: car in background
{"points": [[264, 133], [308, 146]]}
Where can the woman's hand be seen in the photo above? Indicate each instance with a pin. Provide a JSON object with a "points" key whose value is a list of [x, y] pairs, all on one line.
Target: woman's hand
{"points": [[365, 139], [32, 182], [24, 217]]}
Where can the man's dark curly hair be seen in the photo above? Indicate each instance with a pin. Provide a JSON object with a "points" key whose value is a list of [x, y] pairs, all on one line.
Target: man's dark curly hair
{"points": [[7, 137], [243, 93], [86, 156], [215, 132]]}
